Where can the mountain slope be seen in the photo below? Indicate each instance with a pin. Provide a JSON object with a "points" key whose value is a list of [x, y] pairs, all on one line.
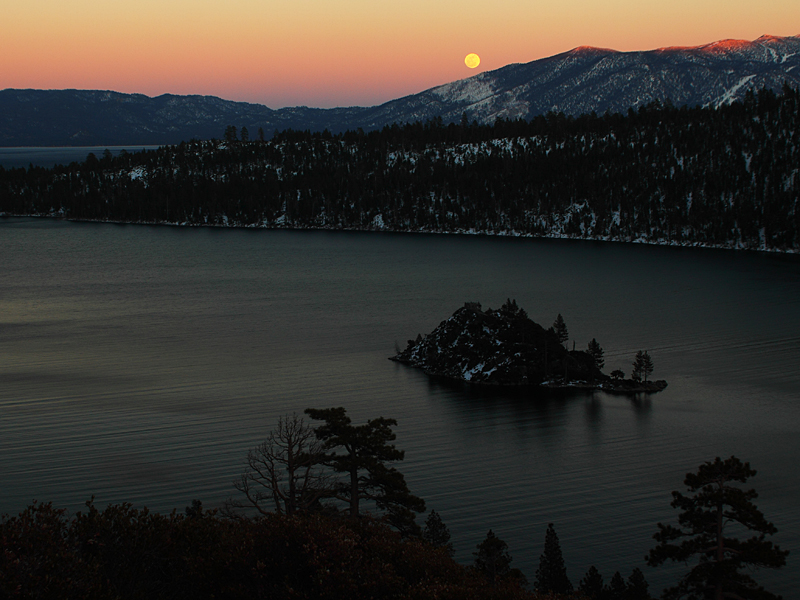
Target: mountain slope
{"points": [[575, 82], [594, 79]]}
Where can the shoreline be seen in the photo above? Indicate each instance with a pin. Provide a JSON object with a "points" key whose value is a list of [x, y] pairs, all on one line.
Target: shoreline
{"points": [[621, 387], [476, 232]]}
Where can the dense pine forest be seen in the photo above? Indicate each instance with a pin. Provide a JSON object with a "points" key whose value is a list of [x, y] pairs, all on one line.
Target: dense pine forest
{"points": [[726, 176]]}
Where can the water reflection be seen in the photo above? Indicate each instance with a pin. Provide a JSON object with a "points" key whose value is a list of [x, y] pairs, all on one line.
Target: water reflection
{"points": [[594, 411], [642, 406], [156, 347]]}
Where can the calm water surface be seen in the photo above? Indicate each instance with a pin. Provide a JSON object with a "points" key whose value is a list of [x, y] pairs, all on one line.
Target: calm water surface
{"points": [[140, 364]]}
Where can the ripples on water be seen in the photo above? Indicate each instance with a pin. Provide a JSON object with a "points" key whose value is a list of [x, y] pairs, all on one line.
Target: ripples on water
{"points": [[140, 364]]}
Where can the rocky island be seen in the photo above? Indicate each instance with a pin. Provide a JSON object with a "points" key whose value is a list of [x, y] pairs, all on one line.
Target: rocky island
{"points": [[505, 348]]}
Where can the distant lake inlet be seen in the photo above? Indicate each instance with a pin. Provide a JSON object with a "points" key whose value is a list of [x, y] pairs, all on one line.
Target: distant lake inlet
{"points": [[48, 157]]}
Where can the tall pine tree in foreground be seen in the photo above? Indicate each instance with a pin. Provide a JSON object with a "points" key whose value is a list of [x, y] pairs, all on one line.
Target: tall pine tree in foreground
{"points": [[551, 576], [712, 517], [492, 558], [616, 588], [437, 534], [361, 453], [637, 586], [592, 584]]}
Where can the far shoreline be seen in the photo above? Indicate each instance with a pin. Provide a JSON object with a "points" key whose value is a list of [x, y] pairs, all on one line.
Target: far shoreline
{"points": [[461, 232]]}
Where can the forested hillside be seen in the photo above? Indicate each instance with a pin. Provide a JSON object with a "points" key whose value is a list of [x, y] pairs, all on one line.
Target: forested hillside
{"points": [[726, 176]]}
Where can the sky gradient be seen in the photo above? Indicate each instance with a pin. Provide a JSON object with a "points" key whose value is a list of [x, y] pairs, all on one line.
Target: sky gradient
{"points": [[329, 53]]}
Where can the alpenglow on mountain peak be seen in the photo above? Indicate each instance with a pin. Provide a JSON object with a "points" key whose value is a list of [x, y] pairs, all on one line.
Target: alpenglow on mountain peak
{"points": [[582, 80], [587, 79]]}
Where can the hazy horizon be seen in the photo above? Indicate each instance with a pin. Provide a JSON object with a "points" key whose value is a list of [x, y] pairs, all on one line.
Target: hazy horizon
{"points": [[469, 74], [324, 55]]}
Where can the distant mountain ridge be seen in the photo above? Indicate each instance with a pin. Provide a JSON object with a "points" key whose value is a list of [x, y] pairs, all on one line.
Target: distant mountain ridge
{"points": [[581, 80]]}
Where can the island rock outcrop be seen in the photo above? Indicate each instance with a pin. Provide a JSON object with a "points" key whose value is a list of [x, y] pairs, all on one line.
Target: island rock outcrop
{"points": [[496, 347], [504, 347]]}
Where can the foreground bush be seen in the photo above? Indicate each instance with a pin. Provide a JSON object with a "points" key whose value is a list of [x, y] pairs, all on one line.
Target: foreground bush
{"points": [[122, 552]]}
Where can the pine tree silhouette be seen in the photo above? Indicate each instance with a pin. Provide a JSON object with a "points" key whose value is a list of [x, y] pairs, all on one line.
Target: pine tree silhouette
{"points": [[551, 576]]}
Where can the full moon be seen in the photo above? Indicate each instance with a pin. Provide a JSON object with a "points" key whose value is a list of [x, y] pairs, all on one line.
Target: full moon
{"points": [[472, 60]]}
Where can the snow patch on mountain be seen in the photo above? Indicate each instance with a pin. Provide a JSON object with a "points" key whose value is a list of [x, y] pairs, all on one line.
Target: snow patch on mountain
{"points": [[731, 94], [467, 91]]}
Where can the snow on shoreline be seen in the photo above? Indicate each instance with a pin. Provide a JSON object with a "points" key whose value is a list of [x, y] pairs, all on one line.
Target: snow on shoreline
{"points": [[283, 224]]}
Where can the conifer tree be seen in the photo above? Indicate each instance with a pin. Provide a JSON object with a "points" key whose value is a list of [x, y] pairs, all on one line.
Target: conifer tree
{"points": [[492, 558], [642, 366], [596, 352], [616, 588], [551, 576], [560, 327], [436, 533], [592, 584], [713, 513], [637, 586], [361, 452]]}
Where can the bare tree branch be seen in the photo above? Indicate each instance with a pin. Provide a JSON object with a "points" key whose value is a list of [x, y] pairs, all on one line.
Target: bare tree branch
{"points": [[284, 473]]}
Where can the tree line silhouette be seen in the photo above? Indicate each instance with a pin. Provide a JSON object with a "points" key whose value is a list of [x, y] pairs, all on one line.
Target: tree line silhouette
{"points": [[723, 176], [306, 536]]}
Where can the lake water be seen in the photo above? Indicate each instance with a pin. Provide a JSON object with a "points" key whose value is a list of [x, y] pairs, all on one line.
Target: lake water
{"points": [[48, 157], [141, 363]]}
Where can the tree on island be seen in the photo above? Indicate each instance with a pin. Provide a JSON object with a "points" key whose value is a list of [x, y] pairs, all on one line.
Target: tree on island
{"points": [[551, 576], [361, 452], [560, 327], [617, 374], [596, 352], [704, 534], [511, 309], [642, 366], [284, 472]]}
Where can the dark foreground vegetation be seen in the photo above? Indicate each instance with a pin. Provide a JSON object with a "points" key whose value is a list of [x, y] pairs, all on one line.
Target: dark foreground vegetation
{"points": [[122, 552], [306, 536], [724, 176]]}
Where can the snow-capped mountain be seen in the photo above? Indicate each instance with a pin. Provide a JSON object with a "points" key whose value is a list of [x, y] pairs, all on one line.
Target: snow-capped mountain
{"points": [[596, 79], [579, 81]]}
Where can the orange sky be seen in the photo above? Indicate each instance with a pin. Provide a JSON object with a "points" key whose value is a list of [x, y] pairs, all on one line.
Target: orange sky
{"points": [[337, 52]]}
